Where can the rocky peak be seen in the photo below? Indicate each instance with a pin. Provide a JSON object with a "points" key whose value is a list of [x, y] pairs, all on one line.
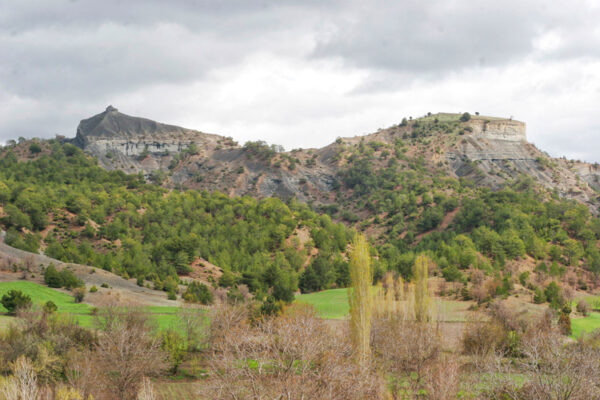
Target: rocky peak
{"points": [[118, 140]]}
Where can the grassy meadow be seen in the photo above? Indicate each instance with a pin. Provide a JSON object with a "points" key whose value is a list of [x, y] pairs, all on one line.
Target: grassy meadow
{"points": [[163, 317], [330, 304]]}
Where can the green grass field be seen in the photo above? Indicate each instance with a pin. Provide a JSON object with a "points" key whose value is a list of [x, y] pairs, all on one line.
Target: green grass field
{"points": [[164, 317], [333, 304], [330, 304], [41, 294], [587, 324]]}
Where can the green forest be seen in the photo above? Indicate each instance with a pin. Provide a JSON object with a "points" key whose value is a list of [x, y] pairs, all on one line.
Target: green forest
{"points": [[58, 200]]}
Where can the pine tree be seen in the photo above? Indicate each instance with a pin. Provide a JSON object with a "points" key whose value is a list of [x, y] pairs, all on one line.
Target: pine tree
{"points": [[360, 298]]}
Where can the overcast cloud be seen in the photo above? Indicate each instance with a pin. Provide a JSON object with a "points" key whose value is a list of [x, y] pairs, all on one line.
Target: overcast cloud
{"points": [[302, 72]]}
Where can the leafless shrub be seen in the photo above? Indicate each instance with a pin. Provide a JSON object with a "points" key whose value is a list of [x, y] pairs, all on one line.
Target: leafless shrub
{"points": [[405, 346], [244, 292], [293, 356], [7, 263], [127, 351], [24, 382], [558, 371], [509, 318], [485, 339], [220, 295], [482, 339], [442, 378], [82, 373], [477, 277], [29, 263], [146, 391], [411, 349], [583, 307], [551, 368], [571, 278], [479, 292]]}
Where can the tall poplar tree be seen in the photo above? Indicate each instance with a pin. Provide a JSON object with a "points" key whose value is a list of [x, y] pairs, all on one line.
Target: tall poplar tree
{"points": [[361, 298]]}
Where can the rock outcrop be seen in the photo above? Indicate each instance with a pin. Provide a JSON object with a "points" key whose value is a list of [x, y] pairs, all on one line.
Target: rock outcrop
{"points": [[489, 151]]}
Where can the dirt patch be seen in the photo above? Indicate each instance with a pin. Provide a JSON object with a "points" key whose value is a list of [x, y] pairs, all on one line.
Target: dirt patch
{"points": [[204, 271]]}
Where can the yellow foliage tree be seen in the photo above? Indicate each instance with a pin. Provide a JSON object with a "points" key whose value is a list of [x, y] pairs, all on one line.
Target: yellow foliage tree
{"points": [[361, 298], [422, 299]]}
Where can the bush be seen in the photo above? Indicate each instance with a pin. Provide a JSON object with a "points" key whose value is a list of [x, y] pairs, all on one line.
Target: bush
{"points": [[523, 277], [50, 307], [104, 285], [564, 324], [15, 300], [64, 278], [554, 295], [79, 294], [539, 297], [198, 293], [35, 148], [465, 117], [93, 289], [171, 295], [583, 308], [227, 279], [52, 277]]}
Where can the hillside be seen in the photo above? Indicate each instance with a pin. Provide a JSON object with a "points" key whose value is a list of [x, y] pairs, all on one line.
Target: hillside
{"points": [[489, 151], [489, 233]]}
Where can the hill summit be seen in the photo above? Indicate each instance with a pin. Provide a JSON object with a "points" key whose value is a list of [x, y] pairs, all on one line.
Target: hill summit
{"points": [[486, 150]]}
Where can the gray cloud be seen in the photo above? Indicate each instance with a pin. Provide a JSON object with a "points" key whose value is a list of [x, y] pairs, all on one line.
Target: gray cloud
{"points": [[298, 72]]}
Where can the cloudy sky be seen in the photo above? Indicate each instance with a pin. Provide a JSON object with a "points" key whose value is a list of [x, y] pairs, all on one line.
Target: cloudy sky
{"points": [[302, 72]]}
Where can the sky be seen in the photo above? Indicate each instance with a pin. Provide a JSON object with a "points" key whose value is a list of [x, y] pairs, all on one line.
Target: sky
{"points": [[302, 72]]}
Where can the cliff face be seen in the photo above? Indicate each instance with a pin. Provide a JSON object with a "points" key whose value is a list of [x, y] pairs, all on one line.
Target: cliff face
{"points": [[134, 144], [489, 151]]}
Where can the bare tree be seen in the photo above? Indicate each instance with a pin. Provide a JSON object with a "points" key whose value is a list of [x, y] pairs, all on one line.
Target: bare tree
{"points": [[293, 356], [82, 374], [195, 325], [146, 391], [552, 369], [23, 385], [128, 351]]}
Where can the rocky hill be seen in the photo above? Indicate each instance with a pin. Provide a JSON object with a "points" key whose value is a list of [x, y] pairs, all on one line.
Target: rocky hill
{"points": [[489, 151]]}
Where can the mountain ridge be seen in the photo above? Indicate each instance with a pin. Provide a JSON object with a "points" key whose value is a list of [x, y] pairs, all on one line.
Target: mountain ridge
{"points": [[490, 151]]}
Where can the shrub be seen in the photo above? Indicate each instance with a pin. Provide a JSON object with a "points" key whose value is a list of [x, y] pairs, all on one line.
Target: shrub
{"points": [[539, 297], [465, 117], [15, 300], [93, 289], [583, 308], [171, 295], [35, 148], [52, 277], [554, 295], [50, 307], [104, 285], [227, 279], [64, 278], [523, 277], [79, 294], [198, 293], [564, 324], [175, 348]]}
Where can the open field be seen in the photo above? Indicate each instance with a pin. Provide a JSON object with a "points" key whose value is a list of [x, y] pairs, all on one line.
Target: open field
{"points": [[164, 317], [330, 304], [41, 294], [333, 304], [585, 325]]}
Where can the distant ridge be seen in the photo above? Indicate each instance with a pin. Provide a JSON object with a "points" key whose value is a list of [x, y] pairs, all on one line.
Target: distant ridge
{"points": [[112, 124]]}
